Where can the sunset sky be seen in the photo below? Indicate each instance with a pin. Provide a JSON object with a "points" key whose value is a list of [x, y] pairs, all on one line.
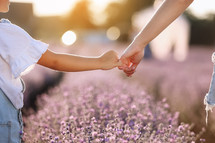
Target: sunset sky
{"points": [[59, 7]]}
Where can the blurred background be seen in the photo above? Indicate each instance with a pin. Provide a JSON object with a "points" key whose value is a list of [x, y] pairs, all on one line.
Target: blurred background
{"points": [[176, 65], [106, 20]]}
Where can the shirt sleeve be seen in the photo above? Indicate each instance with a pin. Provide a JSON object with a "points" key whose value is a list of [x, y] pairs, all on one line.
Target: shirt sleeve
{"points": [[18, 48]]}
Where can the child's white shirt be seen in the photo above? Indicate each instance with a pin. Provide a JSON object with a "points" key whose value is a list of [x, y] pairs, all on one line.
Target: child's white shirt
{"points": [[18, 51]]}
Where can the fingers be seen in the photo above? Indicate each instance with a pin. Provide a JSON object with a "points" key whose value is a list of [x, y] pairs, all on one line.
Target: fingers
{"points": [[119, 64], [130, 59], [133, 67], [120, 67], [124, 63], [129, 74], [130, 70], [127, 66]]}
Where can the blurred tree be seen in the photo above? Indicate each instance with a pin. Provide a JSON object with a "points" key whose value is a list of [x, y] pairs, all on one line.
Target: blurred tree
{"points": [[79, 17], [120, 14]]}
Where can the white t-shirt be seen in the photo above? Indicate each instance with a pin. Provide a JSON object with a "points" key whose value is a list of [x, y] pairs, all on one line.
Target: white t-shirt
{"points": [[18, 51]]}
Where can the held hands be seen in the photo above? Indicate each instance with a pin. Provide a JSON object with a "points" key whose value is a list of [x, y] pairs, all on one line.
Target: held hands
{"points": [[131, 58], [110, 60], [128, 61]]}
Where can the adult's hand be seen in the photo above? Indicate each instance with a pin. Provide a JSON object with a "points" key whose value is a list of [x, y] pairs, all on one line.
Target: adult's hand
{"points": [[166, 14], [131, 58]]}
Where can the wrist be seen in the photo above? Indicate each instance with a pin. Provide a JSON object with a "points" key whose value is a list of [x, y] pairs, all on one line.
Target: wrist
{"points": [[139, 43], [100, 63]]}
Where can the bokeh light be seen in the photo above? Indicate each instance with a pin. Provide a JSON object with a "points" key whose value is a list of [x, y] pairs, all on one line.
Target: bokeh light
{"points": [[113, 33], [69, 38]]}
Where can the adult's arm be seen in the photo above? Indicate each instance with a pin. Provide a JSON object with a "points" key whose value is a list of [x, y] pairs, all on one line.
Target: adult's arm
{"points": [[164, 16]]}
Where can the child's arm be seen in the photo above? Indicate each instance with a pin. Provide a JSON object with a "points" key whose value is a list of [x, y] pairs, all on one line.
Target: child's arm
{"points": [[74, 63]]}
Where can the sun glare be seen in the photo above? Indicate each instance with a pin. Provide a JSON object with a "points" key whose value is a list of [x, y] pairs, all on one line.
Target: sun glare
{"points": [[26, 1], [53, 7], [69, 38], [59, 7], [97, 8], [201, 8]]}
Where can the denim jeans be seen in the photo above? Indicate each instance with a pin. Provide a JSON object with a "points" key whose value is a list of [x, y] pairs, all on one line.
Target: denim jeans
{"points": [[209, 100], [11, 125]]}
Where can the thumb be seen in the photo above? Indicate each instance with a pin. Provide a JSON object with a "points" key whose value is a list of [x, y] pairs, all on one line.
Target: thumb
{"points": [[119, 64]]}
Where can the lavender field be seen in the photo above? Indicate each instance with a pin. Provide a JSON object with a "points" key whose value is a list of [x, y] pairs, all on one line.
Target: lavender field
{"points": [[161, 103]]}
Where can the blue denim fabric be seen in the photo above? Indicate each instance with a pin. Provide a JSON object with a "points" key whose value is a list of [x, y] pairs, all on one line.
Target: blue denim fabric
{"points": [[11, 125], [209, 100]]}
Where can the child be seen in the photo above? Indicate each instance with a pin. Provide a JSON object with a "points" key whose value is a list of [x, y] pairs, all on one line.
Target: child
{"points": [[168, 12], [18, 51], [209, 100]]}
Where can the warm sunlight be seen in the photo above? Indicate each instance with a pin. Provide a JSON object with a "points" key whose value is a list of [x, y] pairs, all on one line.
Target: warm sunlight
{"points": [[26, 1], [60, 7], [203, 7], [53, 7], [97, 7]]}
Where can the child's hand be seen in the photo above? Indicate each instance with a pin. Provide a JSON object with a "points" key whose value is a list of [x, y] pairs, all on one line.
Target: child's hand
{"points": [[110, 60]]}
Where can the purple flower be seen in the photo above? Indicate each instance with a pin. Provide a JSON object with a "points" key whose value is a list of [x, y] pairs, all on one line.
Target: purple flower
{"points": [[131, 123], [103, 113]]}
